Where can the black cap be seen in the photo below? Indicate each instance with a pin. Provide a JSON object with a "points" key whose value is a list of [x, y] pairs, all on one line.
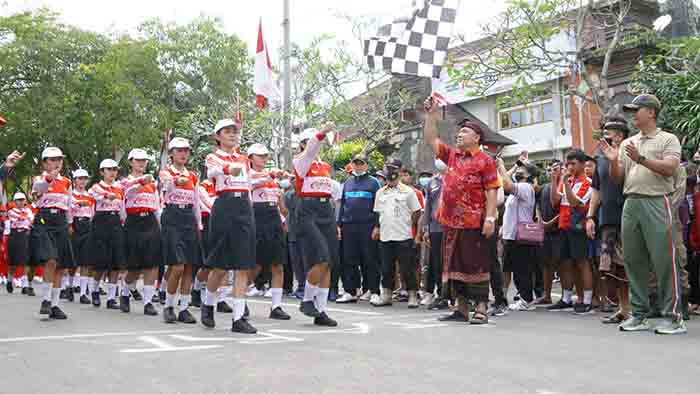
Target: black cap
{"points": [[379, 174], [360, 157], [643, 100], [395, 163], [578, 154]]}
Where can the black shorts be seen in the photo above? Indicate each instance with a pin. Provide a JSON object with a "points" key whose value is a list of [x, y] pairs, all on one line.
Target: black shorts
{"points": [[18, 248], [49, 239], [80, 241], [142, 242], [269, 235], [108, 244], [574, 245], [317, 231], [180, 236]]}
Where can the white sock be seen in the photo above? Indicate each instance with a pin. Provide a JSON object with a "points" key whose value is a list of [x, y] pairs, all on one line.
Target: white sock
{"points": [[276, 297], [111, 291], [25, 281], [164, 285], [148, 291], [222, 293], [238, 308], [125, 290], [321, 300], [64, 281], [170, 299], [209, 298], [48, 285], [587, 297], [92, 285], [566, 296], [84, 285], [309, 291], [184, 302], [55, 296], [197, 284]]}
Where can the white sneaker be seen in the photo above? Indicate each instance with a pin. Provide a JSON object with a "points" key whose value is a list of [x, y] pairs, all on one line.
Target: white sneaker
{"points": [[427, 299], [367, 296], [17, 283], [521, 305], [3, 280], [268, 293], [375, 299], [254, 292], [346, 298]]}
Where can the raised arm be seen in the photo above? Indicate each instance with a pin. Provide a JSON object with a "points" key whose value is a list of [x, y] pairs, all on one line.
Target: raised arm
{"points": [[302, 162], [430, 130]]}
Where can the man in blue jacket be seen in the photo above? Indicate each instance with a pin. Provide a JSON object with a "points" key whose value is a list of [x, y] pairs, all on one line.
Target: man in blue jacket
{"points": [[356, 219]]}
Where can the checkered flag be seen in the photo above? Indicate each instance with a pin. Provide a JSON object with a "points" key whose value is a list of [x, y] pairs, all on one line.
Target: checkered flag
{"points": [[415, 45]]}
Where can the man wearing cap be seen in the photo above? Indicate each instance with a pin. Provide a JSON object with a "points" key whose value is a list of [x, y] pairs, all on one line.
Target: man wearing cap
{"points": [[645, 164], [356, 219], [82, 211], [17, 228], [467, 211]]}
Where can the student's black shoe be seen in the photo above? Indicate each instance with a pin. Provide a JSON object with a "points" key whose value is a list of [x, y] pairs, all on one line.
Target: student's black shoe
{"points": [[207, 317], [63, 295], [137, 296], [103, 292], [169, 315], [243, 327], [10, 288], [84, 300], [161, 297], [124, 304], [324, 320], [186, 317], [30, 292], [76, 289], [279, 314], [155, 299], [70, 296], [24, 290], [223, 307], [96, 299], [309, 309], [57, 314], [45, 307], [196, 298], [112, 304], [150, 310]]}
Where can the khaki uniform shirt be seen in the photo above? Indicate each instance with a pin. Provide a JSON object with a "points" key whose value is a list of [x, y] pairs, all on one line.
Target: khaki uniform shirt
{"points": [[641, 180]]}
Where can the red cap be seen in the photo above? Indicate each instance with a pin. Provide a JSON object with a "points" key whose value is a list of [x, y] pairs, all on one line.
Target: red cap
{"points": [[2, 121]]}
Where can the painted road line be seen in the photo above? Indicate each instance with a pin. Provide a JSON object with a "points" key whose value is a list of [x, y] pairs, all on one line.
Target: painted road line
{"points": [[262, 337], [94, 335], [359, 328], [162, 346], [412, 326], [328, 309]]}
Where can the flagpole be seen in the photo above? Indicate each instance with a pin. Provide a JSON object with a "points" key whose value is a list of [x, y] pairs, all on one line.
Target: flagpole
{"points": [[286, 106]]}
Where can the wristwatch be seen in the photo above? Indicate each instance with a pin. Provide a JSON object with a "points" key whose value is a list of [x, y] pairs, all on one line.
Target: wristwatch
{"points": [[490, 219], [641, 159], [590, 218]]}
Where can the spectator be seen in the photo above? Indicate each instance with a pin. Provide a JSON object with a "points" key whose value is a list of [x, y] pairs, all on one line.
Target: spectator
{"points": [[550, 251]]}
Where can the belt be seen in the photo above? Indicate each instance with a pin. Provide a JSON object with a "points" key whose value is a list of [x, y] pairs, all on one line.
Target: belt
{"points": [[112, 213], [642, 196], [82, 219], [141, 214], [181, 206], [53, 211], [322, 199], [19, 230], [234, 193], [265, 203]]}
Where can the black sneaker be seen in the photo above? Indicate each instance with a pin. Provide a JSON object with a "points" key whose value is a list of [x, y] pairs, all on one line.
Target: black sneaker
{"points": [[583, 309], [150, 310], [438, 305], [84, 300], [9, 287], [309, 309], [186, 317], [161, 297], [246, 313], [70, 296], [112, 304], [223, 307], [455, 316], [30, 292], [169, 315], [24, 290], [243, 327], [45, 308], [561, 306], [155, 299], [57, 314], [196, 300], [103, 292], [279, 314], [137, 296], [63, 295], [124, 304], [207, 317], [76, 289], [96, 299], [498, 310], [324, 320]]}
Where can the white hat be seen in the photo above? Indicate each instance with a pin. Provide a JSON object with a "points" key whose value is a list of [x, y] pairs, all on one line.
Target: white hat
{"points": [[80, 173], [108, 163], [178, 143], [19, 196], [225, 123], [138, 154], [258, 149], [307, 134], [51, 151]]}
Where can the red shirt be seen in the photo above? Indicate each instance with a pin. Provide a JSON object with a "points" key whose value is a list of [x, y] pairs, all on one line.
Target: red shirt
{"points": [[468, 176], [313, 177], [581, 187]]}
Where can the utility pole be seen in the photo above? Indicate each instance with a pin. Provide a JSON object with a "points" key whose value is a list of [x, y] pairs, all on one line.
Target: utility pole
{"points": [[286, 104]]}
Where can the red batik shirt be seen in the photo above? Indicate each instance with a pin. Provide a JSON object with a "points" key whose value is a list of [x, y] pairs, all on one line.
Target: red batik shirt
{"points": [[463, 198]]}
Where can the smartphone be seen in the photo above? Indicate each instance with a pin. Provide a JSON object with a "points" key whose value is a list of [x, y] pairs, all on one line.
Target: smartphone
{"points": [[609, 141]]}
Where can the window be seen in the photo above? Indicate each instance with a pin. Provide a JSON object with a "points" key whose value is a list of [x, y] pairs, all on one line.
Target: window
{"points": [[542, 111]]}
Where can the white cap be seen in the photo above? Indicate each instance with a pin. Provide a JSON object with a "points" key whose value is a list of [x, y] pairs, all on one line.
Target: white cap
{"points": [[108, 163], [19, 196], [51, 151], [225, 123], [258, 149], [307, 134], [138, 154], [80, 173], [178, 143]]}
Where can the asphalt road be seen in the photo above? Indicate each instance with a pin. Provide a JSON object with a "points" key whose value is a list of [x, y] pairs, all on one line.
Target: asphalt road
{"points": [[374, 350]]}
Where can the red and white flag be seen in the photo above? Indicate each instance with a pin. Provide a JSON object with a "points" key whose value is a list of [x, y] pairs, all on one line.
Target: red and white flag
{"points": [[264, 86], [439, 99], [2, 121]]}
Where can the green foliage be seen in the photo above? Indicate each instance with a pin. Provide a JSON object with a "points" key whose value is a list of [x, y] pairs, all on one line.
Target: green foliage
{"points": [[341, 155]]}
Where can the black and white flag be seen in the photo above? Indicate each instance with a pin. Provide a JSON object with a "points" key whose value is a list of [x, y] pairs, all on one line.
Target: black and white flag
{"points": [[416, 45]]}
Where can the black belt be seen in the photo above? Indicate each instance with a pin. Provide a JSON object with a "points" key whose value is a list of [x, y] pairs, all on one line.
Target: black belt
{"points": [[180, 206], [19, 230], [644, 196], [104, 213], [81, 219], [322, 199], [141, 214], [265, 204], [52, 211]]}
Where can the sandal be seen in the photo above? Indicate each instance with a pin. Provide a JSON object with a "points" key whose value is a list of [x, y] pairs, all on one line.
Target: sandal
{"points": [[479, 318], [614, 319]]}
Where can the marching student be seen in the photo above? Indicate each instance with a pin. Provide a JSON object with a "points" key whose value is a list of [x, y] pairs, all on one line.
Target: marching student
{"points": [[17, 227], [82, 211], [107, 245], [142, 231], [49, 241], [268, 203], [181, 223], [231, 227], [316, 224]]}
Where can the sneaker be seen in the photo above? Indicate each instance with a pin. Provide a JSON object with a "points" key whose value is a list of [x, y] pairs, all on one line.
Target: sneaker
{"points": [[63, 295], [70, 296], [254, 292], [324, 320], [207, 317], [427, 299], [279, 314], [268, 293], [438, 304], [455, 316], [223, 307], [24, 290], [521, 305], [498, 310], [150, 310], [169, 315], [583, 309], [332, 296], [243, 327], [9, 287], [367, 296], [299, 294], [383, 300], [161, 297], [76, 289], [30, 292], [96, 299], [309, 309], [45, 307], [561, 306], [57, 314], [375, 299], [186, 317], [196, 298], [155, 299], [346, 298], [635, 324], [84, 300], [542, 301], [124, 304], [137, 296], [112, 304], [672, 328], [103, 292]]}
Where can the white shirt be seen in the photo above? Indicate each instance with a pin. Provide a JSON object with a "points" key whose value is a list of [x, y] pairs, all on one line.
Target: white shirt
{"points": [[395, 206]]}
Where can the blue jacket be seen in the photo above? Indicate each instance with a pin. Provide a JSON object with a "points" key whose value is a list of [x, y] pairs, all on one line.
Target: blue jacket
{"points": [[357, 202]]}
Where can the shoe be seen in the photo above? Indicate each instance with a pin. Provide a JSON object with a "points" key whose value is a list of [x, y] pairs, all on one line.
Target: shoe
{"points": [[309, 309], [412, 299], [324, 320], [427, 299], [498, 310], [63, 295], [150, 310], [608, 308], [70, 296], [103, 292], [268, 293], [169, 315], [383, 300], [84, 300], [635, 324], [366, 296], [76, 289], [161, 297], [616, 318], [45, 307], [10, 288], [299, 294], [186, 317], [279, 314], [96, 299], [57, 314], [137, 296], [24, 290], [254, 292], [375, 299], [207, 316], [438, 304], [124, 304], [455, 316], [196, 300], [561, 306], [155, 299], [30, 292], [521, 305], [583, 309], [243, 327], [246, 313], [112, 304], [346, 298], [223, 307], [332, 296], [672, 328], [542, 301]]}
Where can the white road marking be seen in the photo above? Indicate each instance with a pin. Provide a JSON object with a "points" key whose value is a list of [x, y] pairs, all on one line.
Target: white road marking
{"points": [[411, 326], [328, 309], [161, 346], [261, 338], [94, 335], [359, 328]]}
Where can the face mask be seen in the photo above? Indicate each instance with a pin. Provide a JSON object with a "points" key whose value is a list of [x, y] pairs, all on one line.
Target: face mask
{"points": [[285, 184], [424, 181], [358, 173], [440, 165], [519, 178]]}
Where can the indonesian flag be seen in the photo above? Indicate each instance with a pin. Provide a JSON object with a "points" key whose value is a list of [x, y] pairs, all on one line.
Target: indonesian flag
{"points": [[2, 121], [439, 99], [264, 85]]}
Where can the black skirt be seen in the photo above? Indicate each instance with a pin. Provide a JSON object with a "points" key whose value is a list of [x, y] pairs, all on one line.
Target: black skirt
{"points": [[180, 236], [231, 233], [81, 241], [205, 237], [143, 242], [18, 247], [269, 234], [107, 243], [49, 239], [316, 230]]}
